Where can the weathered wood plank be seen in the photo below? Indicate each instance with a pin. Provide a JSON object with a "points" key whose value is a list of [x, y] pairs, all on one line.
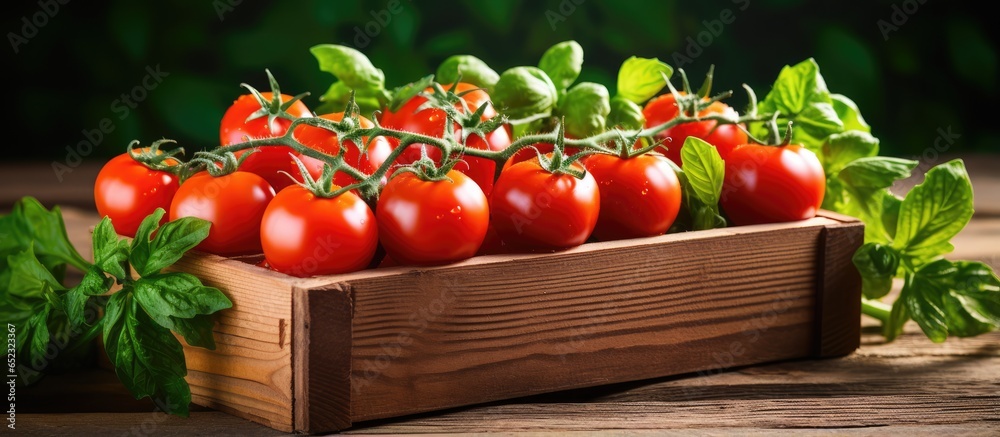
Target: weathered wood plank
{"points": [[839, 288], [322, 359]]}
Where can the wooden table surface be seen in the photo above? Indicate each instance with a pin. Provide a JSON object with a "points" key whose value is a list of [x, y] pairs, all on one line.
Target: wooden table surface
{"points": [[911, 386]]}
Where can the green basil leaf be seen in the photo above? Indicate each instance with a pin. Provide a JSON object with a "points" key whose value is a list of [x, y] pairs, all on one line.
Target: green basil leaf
{"points": [[350, 66], [148, 359], [29, 278], [875, 173], [36, 334], [843, 148], [171, 242], [468, 69], [178, 295], [523, 92], [639, 79], [585, 108], [43, 229], [890, 213], [955, 298], [695, 214], [139, 250], [197, 331], [110, 252], [877, 264], [336, 98], [934, 212], [406, 92], [10, 240], [848, 113], [94, 283], [800, 94], [625, 114], [562, 63], [704, 169]]}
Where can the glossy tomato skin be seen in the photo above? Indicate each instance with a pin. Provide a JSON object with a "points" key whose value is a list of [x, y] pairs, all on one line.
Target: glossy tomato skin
{"points": [[724, 137], [267, 162], [233, 203], [431, 222], [534, 209], [640, 196], [127, 191], [326, 141], [305, 235], [767, 184], [431, 122]]}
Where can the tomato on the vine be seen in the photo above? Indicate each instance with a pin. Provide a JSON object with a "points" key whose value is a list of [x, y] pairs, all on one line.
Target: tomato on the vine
{"points": [[326, 141], [303, 234], [535, 209], [127, 191], [431, 121], [724, 137], [431, 222], [267, 162], [771, 184], [640, 196], [233, 203]]}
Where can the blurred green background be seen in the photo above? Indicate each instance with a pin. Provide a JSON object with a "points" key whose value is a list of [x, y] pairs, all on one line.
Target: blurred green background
{"points": [[927, 67]]}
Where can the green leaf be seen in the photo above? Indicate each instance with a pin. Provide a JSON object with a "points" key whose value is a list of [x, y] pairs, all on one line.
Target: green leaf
{"points": [[696, 213], [30, 224], [29, 278], [925, 305], [934, 212], [704, 168], [639, 79], [562, 63], [94, 283], [177, 300], [148, 359], [139, 251], [110, 252], [406, 92], [625, 114], [470, 69], [848, 113], [877, 264], [585, 108], [523, 92], [954, 298], [171, 242], [800, 94], [350, 66], [336, 98], [843, 148], [875, 173]]}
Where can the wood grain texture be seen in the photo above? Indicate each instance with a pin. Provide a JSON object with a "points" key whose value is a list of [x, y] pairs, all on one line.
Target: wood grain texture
{"points": [[486, 330], [249, 374], [322, 359], [838, 314]]}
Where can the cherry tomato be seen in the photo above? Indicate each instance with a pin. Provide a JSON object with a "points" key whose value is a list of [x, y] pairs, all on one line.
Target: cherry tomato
{"points": [[305, 235], [127, 191], [431, 222], [767, 184], [431, 122], [326, 141], [267, 162], [235, 205], [664, 108], [640, 196], [535, 209]]}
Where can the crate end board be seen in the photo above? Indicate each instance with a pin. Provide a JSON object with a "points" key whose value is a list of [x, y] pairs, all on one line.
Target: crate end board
{"points": [[393, 342]]}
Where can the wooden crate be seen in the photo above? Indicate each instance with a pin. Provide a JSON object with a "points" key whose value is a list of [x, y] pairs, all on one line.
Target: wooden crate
{"points": [[318, 354]]}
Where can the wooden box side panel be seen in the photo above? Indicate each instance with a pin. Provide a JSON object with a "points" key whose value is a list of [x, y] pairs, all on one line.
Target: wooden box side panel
{"points": [[438, 338], [249, 374], [322, 359], [838, 320]]}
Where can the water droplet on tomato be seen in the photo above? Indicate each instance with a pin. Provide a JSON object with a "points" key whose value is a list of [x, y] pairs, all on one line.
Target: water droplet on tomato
{"points": [[457, 209]]}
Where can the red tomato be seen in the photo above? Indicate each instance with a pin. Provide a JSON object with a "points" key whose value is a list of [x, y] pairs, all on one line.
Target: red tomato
{"points": [[127, 191], [235, 205], [535, 209], [325, 141], [267, 162], [431, 122], [305, 235], [432, 222], [664, 108], [640, 196], [767, 184]]}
